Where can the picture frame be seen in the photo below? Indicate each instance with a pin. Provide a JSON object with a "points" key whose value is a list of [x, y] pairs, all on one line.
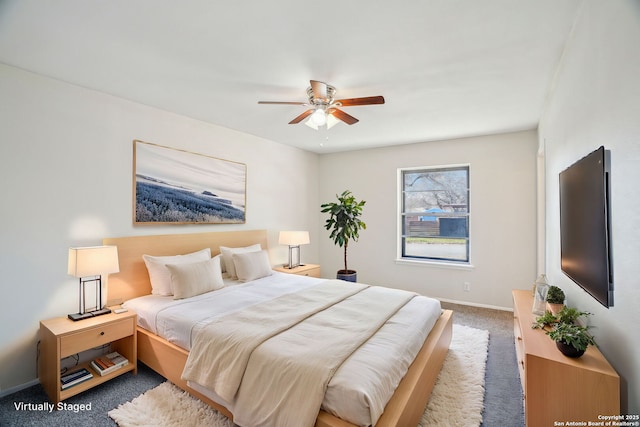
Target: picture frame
{"points": [[174, 186]]}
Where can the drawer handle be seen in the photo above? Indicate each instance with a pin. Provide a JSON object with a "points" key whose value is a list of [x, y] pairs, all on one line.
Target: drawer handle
{"points": [[102, 333]]}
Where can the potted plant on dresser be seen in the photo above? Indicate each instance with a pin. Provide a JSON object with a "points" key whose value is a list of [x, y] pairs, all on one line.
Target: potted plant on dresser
{"points": [[572, 340], [345, 224], [555, 299]]}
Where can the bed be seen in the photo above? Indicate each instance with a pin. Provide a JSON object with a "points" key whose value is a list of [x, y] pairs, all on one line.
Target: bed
{"points": [[169, 359]]}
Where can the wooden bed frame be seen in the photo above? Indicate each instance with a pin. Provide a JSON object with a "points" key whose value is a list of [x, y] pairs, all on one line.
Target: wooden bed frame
{"points": [[406, 405]]}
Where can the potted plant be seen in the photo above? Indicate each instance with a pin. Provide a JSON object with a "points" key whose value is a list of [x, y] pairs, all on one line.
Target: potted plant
{"points": [[545, 321], [570, 314], [566, 315], [555, 299], [344, 223], [571, 339]]}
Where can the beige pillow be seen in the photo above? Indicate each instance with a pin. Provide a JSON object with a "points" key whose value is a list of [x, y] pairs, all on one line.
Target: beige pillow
{"points": [[252, 265], [159, 274], [196, 278], [227, 254]]}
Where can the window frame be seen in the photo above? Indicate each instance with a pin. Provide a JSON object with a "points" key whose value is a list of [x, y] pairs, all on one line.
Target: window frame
{"points": [[441, 262]]}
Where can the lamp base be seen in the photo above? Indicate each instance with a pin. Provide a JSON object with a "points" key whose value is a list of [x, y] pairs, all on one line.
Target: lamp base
{"points": [[291, 267], [78, 316]]}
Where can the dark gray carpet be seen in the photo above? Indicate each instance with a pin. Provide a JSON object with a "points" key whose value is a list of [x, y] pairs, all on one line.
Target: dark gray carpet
{"points": [[103, 398], [503, 393]]}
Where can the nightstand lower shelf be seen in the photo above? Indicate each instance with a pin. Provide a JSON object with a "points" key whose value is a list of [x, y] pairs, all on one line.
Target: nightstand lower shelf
{"points": [[96, 380]]}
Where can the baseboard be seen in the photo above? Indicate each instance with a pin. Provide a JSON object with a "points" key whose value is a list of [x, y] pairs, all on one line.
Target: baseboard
{"points": [[473, 304], [17, 388]]}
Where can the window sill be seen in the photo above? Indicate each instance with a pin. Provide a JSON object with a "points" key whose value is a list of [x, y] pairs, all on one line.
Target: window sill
{"points": [[436, 264]]}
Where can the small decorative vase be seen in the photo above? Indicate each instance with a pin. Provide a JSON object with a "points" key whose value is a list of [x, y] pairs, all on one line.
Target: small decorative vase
{"points": [[568, 350], [540, 295]]}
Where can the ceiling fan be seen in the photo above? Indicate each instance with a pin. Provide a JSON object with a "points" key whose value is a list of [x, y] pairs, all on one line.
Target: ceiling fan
{"points": [[324, 108]]}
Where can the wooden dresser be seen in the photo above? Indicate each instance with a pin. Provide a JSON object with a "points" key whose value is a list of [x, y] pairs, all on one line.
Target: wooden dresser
{"points": [[558, 388]]}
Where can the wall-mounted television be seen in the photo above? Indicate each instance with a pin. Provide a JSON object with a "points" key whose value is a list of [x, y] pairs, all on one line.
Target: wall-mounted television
{"points": [[585, 227]]}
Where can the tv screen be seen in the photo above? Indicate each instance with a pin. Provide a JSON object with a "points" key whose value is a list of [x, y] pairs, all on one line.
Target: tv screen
{"points": [[584, 225]]}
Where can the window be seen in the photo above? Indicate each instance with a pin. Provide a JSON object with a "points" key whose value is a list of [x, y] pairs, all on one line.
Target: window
{"points": [[434, 214]]}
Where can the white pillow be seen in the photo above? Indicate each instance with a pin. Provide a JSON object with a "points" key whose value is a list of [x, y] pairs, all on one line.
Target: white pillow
{"points": [[195, 278], [252, 265], [159, 274], [227, 254]]}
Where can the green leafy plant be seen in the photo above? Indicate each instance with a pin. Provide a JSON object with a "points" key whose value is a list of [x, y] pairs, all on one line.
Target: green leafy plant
{"points": [[574, 335], [555, 295], [547, 319], [566, 315], [570, 314], [344, 220]]}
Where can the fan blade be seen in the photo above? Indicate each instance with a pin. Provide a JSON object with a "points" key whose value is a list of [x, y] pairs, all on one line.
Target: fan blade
{"points": [[369, 100], [339, 114], [319, 89], [301, 117], [283, 102]]}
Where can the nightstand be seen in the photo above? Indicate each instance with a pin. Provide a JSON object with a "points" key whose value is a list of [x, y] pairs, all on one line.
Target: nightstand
{"points": [[62, 337], [311, 270]]}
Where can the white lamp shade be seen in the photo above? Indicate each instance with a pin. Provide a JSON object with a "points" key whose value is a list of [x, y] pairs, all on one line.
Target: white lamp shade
{"points": [[93, 261], [331, 121], [311, 124], [294, 238], [319, 117]]}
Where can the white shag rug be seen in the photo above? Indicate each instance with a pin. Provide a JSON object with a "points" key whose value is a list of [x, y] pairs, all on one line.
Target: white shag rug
{"points": [[456, 400], [458, 396]]}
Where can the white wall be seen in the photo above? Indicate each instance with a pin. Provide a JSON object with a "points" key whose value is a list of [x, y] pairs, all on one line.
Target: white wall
{"points": [[596, 102], [66, 173], [502, 225]]}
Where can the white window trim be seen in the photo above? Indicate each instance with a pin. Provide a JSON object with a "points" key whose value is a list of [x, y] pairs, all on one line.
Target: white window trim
{"points": [[454, 265]]}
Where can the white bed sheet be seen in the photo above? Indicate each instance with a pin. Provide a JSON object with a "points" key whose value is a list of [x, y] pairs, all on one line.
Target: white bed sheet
{"points": [[361, 387]]}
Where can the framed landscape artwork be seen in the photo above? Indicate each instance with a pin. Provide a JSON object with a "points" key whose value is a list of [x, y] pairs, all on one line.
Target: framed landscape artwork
{"points": [[174, 186]]}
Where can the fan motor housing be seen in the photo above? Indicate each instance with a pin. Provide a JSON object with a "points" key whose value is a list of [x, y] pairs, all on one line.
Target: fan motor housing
{"points": [[313, 100]]}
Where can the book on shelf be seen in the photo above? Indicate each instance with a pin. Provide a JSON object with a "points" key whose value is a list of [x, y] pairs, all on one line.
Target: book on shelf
{"points": [[73, 378], [108, 363]]}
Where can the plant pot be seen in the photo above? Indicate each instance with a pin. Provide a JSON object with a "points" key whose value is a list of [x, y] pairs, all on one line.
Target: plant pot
{"points": [[554, 308], [347, 275], [568, 350]]}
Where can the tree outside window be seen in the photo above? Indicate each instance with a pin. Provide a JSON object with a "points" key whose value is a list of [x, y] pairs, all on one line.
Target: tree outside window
{"points": [[434, 214]]}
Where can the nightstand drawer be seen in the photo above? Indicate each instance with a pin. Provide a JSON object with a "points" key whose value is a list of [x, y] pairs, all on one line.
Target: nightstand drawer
{"points": [[94, 337], [311, 272]]}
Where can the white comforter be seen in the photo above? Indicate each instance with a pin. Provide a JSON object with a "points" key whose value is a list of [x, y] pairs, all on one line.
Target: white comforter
{"points": [[274, 360], [360, 387]]}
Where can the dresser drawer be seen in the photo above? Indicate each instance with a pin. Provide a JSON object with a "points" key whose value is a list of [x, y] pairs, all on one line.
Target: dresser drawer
{"points": [[96, 336]]}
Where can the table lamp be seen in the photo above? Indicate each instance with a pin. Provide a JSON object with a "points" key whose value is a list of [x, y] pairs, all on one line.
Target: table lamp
{"points": [[89, 264], [294, 239]]}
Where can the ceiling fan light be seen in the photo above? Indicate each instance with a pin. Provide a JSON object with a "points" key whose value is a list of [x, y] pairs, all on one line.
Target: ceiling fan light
{"points": [[319, 117], [331, 121], [310, 123]]}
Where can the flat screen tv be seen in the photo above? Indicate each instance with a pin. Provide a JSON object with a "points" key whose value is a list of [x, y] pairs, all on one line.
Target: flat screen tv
{"points": [[585, 232]]}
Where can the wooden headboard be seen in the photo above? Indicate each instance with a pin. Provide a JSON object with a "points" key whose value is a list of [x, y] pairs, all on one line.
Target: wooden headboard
{"points": [[133, 280]]}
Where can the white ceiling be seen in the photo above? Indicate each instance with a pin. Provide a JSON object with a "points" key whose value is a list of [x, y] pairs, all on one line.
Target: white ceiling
{"points": [[447, 68]]}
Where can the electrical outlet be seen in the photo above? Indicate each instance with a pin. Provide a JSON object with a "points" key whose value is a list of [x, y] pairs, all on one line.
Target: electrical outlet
{"points": [[467, 286]]}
